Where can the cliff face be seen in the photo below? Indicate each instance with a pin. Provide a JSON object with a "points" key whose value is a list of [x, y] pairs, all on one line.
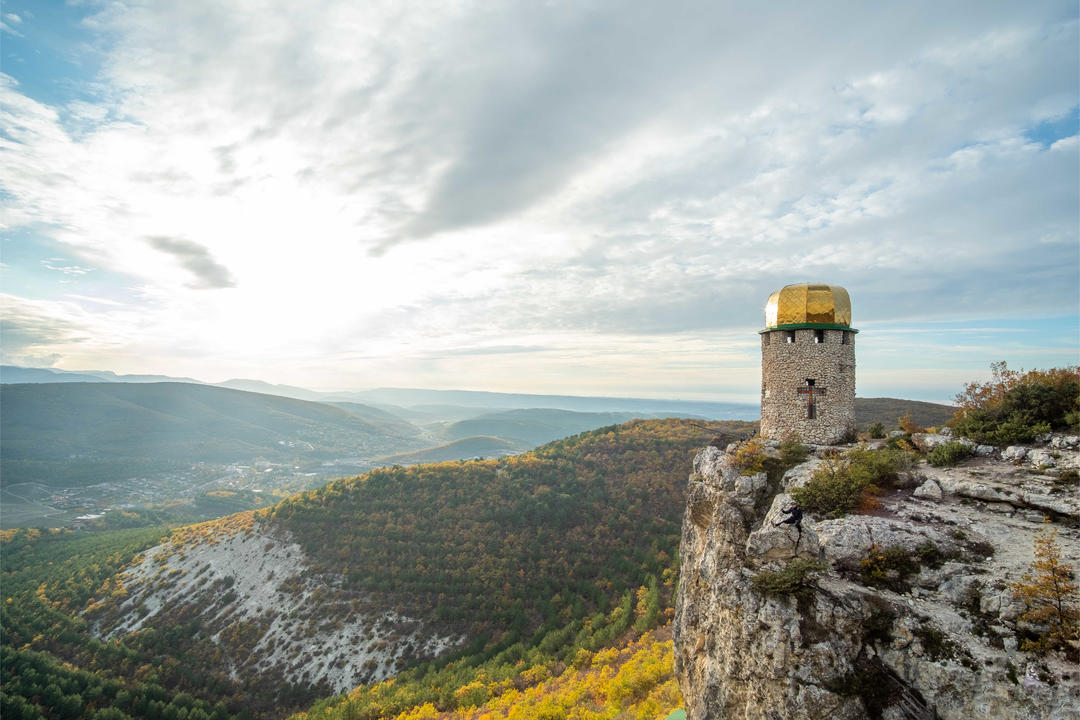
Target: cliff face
{"points": [[942, 643], [263, 612]]}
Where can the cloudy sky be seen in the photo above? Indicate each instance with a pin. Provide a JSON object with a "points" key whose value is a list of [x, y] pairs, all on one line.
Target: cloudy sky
{"points": [[587, 197]]}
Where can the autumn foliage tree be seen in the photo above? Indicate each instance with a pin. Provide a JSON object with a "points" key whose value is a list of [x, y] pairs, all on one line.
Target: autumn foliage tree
{"points": [[1050, 594], [1016, 406]]}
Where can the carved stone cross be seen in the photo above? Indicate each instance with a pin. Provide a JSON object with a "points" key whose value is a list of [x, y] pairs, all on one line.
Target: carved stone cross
{"points": [[811, 392]]}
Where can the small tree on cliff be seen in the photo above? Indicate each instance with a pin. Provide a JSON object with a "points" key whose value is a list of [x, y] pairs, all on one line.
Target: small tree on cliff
{"points": [[1050, 594]]}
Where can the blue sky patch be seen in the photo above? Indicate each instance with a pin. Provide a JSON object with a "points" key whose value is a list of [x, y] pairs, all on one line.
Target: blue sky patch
{"points": [[1050, 131]]}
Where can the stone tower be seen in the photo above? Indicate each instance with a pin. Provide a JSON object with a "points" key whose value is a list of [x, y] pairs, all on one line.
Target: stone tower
{"points": [[808, 365]]}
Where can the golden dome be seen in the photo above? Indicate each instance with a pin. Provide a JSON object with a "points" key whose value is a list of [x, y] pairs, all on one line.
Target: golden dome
{"points": [[808, 305]]}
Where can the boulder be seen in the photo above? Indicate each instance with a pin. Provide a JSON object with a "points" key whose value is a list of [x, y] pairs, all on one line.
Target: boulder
{"points": [[1014, 453], [929, 441], [929, 490], [847, 540], [1041, 459], [800, 474], [770, 543]]}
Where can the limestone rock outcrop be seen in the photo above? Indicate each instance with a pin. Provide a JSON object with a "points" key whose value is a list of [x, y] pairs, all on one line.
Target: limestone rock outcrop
{"points": [[944, 643]]}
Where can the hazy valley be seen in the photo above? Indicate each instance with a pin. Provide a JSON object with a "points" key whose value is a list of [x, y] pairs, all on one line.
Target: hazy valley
{"points": [[145, 449]]}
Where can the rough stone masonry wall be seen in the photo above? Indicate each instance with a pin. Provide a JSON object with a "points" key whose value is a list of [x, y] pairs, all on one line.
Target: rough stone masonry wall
{"points": [[784, 369]]}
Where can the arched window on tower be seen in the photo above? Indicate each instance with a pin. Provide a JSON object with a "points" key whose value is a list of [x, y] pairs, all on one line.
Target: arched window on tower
{"points": [[789, 336], [819, 337]]}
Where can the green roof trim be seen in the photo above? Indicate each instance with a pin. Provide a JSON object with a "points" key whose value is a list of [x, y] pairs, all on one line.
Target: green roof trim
{"points": [[811, 326]]}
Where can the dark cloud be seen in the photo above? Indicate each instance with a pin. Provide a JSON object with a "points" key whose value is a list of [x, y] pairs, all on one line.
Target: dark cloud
{"points": [[196, 259]]}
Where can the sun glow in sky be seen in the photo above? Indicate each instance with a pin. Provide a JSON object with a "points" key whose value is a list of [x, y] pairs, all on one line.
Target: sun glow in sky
{"points": [[585, 197]]}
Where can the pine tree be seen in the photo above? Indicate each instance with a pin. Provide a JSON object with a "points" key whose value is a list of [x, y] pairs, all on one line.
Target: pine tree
{"points": [[1050, 594]]}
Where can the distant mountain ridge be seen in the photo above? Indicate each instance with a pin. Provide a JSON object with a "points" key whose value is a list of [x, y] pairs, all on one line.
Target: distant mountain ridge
{"points": [[47, 426], [407, 397], [410, 397], [888, 410], [533, 426], [13, 374], [462, 449]]}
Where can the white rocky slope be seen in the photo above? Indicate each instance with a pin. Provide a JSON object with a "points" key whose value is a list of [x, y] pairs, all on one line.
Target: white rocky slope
{"points": [[263, 610], [945, 647]]}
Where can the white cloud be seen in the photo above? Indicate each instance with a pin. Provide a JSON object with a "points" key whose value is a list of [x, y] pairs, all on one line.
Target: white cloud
{"points": [[390, 178], [56, 265], [8, 23]]}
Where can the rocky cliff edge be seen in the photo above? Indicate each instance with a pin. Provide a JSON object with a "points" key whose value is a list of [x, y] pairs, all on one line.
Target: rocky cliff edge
{"points": [[941, 643]]}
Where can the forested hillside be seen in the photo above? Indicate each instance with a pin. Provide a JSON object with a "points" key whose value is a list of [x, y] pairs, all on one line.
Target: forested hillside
{"points": [[470, 447], [79, 433], [488, 543], [530, 560], [887, 410], [533, 426]]}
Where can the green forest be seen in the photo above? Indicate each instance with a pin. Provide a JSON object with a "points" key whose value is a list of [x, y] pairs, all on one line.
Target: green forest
{"points": [[490, 542]]}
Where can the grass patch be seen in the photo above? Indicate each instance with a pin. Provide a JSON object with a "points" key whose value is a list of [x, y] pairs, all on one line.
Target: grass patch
{"points": [[750, 457], [791, 453], [936, 643]]}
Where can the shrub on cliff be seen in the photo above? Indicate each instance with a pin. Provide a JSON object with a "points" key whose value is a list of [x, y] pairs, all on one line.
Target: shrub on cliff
{"points": [[750, 457], [1016, 407], [792, 452], [795, 579], [845, 481], [891, 567], [888, 567], [948, 454]]}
